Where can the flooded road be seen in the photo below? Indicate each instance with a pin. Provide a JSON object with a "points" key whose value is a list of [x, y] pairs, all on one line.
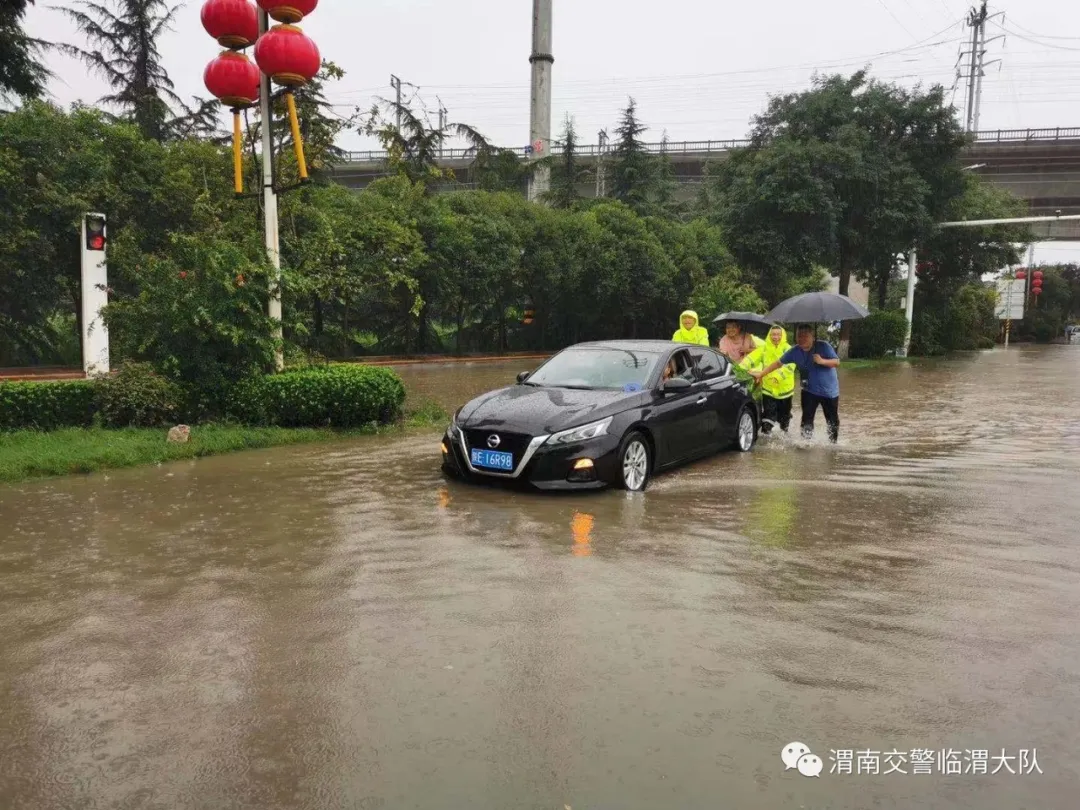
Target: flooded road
{"points": [[339, 627]]}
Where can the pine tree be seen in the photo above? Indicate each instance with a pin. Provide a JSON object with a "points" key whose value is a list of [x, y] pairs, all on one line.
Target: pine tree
{"points": [[633, 173], [122, 36], [567, 172], [22, 71]]}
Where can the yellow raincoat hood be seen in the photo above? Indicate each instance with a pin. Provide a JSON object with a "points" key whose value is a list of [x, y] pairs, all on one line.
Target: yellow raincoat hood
{"points": [[781, 383], [698, 334]]}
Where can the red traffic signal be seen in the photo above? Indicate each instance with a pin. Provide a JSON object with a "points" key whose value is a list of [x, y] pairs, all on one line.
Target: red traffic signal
{"points": [[95, 232]]}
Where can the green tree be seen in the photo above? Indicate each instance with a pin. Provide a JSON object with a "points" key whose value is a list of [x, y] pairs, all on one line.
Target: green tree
{"points": [[414, 148], [566, 172], [198, 314], [123, 36], [632, 168], [846, 175], [724, 293], [22, 70]]}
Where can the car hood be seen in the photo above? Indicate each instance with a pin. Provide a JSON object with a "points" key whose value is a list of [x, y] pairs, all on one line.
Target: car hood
{"points": [[538, 410]]}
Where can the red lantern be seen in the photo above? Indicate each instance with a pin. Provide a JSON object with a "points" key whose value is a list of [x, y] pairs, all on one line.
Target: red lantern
{"points": [[1021, 274], [233, 23], [288, 11], [233, 79], [1037, 275], [1036, 291], [288, 56]]}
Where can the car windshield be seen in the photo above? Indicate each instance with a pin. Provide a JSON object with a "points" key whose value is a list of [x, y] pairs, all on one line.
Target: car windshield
{"points": [[627, 369]]}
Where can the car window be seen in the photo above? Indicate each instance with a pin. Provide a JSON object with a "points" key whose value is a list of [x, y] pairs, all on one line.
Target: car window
{"points": [[591, 367], [679, 365], [710, 365]]}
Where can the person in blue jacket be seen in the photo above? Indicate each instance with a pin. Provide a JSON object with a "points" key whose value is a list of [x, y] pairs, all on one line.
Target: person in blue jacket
{"points": [[816, 361]]}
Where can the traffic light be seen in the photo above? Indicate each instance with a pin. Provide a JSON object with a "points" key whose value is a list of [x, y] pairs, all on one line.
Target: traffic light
{"points": [[95, 232]]}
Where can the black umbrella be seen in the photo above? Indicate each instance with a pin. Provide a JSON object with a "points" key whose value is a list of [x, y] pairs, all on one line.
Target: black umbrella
{"points": [[817, 307], [757, 325]]}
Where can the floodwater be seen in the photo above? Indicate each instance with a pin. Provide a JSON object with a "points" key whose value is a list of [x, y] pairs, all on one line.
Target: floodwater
{"points": [[339, 627]]}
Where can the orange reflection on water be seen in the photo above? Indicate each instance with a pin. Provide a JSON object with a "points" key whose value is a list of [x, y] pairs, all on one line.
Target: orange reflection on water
{"points": [[581, 530], [444, 497]]}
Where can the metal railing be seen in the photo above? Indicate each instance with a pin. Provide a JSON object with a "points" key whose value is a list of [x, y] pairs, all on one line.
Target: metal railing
{"points": [[719, 147]]}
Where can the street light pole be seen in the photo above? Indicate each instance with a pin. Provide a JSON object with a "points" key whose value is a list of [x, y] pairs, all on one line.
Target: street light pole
{"points": [[270, 203], [909, 307]]}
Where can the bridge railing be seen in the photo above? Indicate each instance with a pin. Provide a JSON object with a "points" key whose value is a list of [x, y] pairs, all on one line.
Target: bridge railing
{"points": [[717, 147]]}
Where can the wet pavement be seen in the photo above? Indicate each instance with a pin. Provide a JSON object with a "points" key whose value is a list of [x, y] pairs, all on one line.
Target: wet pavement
{"points": [[339, 627]]}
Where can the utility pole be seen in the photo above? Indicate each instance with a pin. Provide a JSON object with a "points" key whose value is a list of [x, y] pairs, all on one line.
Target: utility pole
{"points": [[270, 203], [541, 60], [395, 83], [977, 21], [442, 124], [601, 180]]}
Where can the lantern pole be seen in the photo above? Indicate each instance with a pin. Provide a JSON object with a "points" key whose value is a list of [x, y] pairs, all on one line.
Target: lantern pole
{"points": [[270, 203]]}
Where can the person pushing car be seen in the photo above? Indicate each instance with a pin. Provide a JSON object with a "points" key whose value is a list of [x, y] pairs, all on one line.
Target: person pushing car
{"points": [[817, 362]]}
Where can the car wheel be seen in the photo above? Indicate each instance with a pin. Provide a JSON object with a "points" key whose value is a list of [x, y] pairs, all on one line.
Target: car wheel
{"points": [[635, 462], [745, 431]]}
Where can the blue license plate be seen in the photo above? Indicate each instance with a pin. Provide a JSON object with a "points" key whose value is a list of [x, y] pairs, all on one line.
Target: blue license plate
{"points": [[492, 460]]}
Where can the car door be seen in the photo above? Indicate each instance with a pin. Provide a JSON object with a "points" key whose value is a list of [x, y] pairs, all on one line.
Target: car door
{"points": [[723, 397], [676, 417]]}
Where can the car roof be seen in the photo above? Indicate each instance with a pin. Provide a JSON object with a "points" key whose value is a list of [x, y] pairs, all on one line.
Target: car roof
{"points": [[636, 345]]}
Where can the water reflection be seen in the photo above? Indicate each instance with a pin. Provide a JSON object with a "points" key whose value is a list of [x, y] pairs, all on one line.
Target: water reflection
{"points": [[581, 528]]}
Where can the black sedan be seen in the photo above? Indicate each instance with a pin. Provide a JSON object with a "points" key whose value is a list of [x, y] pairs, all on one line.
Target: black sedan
{"points": [[600, 414]]}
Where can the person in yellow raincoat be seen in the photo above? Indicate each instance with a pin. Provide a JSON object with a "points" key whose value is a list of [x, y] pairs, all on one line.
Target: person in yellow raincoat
{"points": [[778, 388], [690, 330]]}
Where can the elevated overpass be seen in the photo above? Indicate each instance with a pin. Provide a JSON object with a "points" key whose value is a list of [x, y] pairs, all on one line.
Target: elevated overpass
{"points": [[1041, 166]]}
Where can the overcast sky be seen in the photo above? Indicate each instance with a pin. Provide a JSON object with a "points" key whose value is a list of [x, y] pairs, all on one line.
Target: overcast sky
{"points": [[698, 69]]}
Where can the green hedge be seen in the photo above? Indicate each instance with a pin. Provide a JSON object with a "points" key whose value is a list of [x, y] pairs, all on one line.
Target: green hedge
{"points": [[138, 397], [878, 334], [46, 405], [342, 396]]}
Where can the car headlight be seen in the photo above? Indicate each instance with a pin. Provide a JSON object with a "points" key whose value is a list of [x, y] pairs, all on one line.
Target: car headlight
{"points": [[581, 434]]}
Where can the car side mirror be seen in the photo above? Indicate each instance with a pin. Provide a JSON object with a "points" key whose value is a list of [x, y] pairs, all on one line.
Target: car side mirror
{"points": [[674, 385], [523, 376]]}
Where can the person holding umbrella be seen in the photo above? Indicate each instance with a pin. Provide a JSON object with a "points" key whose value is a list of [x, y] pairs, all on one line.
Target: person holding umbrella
{"points": [[816, 359], [738, 341], [817, 362]]}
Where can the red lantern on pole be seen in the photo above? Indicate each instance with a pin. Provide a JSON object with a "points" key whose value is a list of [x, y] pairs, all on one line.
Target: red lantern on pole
{"points": [[1021, 274], [288, 56], [1037, 275], [234, 80], [288, 11], [233, 23]]}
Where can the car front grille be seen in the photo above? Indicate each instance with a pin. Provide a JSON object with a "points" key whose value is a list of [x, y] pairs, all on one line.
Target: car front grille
{"points": [[515, 443]]}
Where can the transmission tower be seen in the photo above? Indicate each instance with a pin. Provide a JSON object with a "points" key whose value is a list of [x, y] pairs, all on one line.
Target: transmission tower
{"points": [[977, 64]]}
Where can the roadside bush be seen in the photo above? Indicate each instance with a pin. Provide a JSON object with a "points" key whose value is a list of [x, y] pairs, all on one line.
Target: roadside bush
{"points": [[46, 405], [879, 334], [138, 397], [342, 396]]}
